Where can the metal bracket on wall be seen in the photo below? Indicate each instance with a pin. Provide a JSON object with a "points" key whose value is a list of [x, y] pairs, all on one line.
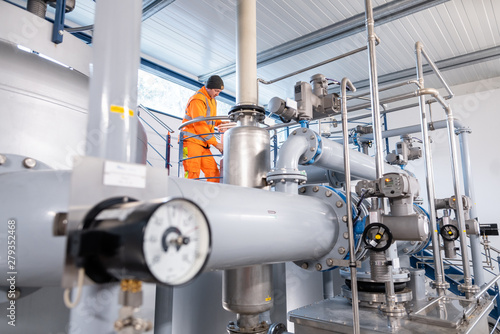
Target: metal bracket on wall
{"points": [[58, 30]]}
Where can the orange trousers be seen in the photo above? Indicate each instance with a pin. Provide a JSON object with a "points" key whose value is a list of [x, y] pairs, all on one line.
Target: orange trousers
{"points": [[206, 163]]}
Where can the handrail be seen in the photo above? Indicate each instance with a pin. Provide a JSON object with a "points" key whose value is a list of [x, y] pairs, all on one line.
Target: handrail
{"points": [[156, 118], [200, 119]]}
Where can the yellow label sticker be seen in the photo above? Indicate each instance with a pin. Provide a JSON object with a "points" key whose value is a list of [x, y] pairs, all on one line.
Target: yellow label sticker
{"points": [[268, 298], [121, 110]]}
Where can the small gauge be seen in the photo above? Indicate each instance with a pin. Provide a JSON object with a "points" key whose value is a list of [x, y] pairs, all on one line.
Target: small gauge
{"points": [[449, 232], [176, 242], [161, 241]]}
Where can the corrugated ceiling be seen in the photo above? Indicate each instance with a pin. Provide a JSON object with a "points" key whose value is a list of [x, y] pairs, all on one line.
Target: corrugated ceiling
{"points": [[198, 37]]}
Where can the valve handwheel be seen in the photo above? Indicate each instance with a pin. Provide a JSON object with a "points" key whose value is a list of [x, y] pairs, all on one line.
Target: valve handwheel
{"points": [[449, 232], [377, 237]]}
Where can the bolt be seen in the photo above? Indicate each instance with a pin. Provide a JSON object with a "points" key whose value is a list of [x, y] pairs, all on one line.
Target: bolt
{"points": [[302, 190], [29, 162], [340, 204], [413, 242], [61, 32], [405, 250], [341, 250], [294, 132], [304, 130], [313, 149], [305, 158], [3, 159], [328, 193], [315, 189], [319, 266], [312, 137], [344, 219], [282, 180], [329, 262], [346, 235], [304, 265]]}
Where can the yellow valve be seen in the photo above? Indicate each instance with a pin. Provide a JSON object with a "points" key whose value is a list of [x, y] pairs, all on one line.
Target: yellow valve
{"points": [[378, 236]]}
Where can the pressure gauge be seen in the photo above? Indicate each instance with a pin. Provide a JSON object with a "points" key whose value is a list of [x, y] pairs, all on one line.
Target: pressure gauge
{"points": [[164, 241], [176, 242]]}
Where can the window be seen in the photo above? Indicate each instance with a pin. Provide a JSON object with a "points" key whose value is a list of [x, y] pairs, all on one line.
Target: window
{"points": [[168, 97]]}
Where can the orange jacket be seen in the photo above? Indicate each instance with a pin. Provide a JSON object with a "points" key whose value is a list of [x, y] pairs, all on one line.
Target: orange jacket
{"points": [[201, 105]]}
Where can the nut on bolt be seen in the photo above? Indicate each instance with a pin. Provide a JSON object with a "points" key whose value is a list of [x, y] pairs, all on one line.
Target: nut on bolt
{"points": [[3, 159], [329, 262], [339, 204], [344, 219], [302, 190], [29, 162], [328, 193], [315, 189], [318, 266], [304, 265], [341, 250]]}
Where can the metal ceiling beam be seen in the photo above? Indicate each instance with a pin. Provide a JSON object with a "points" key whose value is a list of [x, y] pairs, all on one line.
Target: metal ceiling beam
{"points": [[443, 65], [382, 14], [154, 7]]}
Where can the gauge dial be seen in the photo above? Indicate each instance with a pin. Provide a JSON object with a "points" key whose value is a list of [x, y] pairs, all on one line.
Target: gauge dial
{"points": [[176, 242]]}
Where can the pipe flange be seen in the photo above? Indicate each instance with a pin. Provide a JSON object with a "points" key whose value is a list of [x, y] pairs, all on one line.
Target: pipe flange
{"points": [[315, 145], [443, 286], [340, 245], [233, 328], [241, 110], [468, 289], [285, 174], [376, 299]]}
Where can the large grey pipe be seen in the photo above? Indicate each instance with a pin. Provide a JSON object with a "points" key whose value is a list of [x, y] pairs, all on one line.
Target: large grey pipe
{"points": [[112, 124]]}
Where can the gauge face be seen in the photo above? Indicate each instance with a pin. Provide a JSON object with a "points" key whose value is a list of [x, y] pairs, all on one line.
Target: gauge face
{"points": [[176, 242]]}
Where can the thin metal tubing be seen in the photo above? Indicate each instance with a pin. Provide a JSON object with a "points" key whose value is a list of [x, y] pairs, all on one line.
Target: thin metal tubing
{"points": [[350, 53], [201, 119], [437, 72], [78, 29], [438, 261], [377, 128], [458, 194], [350, 226], [487, 287], [396, 85]]}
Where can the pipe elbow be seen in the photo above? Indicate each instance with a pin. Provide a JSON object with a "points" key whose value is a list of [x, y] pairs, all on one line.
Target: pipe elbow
{"points": [[419, 46], [291, 151]]}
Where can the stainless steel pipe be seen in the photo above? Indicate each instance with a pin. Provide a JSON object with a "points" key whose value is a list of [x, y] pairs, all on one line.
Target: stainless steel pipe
{"points": [[439, 282], [350, 226]]}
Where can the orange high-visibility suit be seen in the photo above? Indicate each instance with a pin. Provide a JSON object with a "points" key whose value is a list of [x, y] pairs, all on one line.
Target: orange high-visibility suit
{"points": [[201, 136]]}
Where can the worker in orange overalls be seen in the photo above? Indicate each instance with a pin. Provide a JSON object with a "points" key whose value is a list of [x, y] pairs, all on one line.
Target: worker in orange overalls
{"points": [[202, 104]]}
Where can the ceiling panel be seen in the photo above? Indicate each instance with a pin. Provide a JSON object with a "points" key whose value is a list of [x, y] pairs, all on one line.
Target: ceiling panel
{"points": [[199, 37]]}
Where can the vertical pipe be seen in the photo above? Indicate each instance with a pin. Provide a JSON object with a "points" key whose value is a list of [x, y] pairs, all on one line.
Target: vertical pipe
{"points": [[112, 123], [439, 282], [350, 227], [246, 64], [247, 291], [460, 207], [372, 64], [477, 258], [163, 309], [377, 128]]}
